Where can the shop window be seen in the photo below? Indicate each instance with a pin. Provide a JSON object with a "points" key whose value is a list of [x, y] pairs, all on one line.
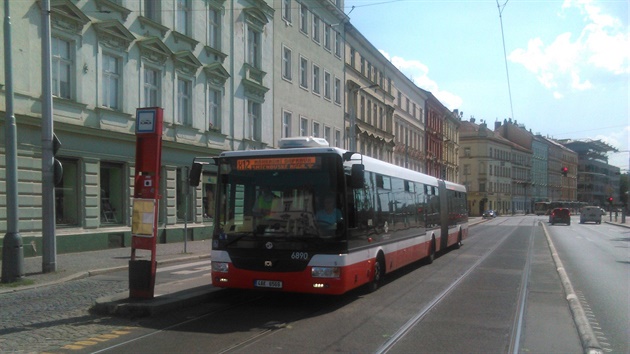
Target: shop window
{"points": [[183, 198], [112, 193], [67, 195]]}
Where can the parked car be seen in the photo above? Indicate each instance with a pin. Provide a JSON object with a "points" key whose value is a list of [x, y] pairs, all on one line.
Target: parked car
{"points": [[489, 214], [560, 215], [591, 214]]}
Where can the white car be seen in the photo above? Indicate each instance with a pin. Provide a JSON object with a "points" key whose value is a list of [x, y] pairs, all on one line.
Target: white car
{"points": [[591, 214]]}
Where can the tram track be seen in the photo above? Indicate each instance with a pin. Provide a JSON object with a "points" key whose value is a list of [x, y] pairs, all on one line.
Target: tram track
{"points": [[189, 320], [520, 306], [418, 317], [405, 329], [249, 342]]}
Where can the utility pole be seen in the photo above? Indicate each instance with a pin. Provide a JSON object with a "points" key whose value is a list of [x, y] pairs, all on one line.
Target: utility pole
{"points": [[12, 248], [49, 246]]}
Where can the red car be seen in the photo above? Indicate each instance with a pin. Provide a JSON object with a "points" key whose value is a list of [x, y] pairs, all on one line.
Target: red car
{"points": [[562, 215]]}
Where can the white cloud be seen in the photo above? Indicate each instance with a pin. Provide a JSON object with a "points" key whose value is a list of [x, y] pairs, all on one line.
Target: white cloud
{"points": [[417, 72], [615, 138], [619, 139], [570, 62]]}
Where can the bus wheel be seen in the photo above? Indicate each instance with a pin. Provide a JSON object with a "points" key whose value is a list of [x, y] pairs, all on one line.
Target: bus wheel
{"points": [[431, 255], [458, 244], [379, 273]]}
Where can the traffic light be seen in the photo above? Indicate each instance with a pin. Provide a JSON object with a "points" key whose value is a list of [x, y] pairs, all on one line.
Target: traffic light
{"points": [[57, 166], [610, 200], [565, 170]]}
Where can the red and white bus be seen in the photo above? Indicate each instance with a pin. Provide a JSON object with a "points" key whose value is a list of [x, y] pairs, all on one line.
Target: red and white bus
{"points": [[387, 218]]}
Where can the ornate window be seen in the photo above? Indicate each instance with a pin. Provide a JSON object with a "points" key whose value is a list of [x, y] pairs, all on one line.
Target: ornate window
{"points": [[287, 117], [151, 10], [286, 63], [316, 79], [316, 29], [62, 67], [214, 27], [184, 101], [111, 82], [304, 18], [286, 10], [253, 48], [303, 72], [151, 87], [214, 109], [184, 11], [303, 126], [327, 84], [253, 125]]}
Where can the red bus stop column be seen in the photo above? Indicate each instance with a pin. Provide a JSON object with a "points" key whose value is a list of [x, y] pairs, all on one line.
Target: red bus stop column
{"points": [[145, 203]]}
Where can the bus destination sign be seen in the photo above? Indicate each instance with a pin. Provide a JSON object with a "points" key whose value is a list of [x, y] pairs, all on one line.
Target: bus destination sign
{"points": [[278, 163]]}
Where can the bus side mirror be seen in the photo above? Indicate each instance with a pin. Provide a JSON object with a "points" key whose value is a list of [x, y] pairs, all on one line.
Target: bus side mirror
{"points": [[195, 174], [357, 179]]}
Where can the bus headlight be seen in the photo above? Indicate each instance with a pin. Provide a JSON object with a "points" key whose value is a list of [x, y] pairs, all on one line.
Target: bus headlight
{"points": [[220, 267], [325, 272]]}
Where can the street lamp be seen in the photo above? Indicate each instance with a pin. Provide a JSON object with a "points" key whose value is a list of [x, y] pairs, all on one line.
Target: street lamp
{"points": [[353, 118]]}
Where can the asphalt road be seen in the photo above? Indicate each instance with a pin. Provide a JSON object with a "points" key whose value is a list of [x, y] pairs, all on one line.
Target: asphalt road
{"points": [[597, 260], [499, 293]]}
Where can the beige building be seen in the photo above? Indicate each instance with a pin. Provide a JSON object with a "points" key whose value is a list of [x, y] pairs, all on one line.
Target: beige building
{"points": [[369, 99], [561, 187], [409, 124], [385, 107], [486, 167], [451, 147]]}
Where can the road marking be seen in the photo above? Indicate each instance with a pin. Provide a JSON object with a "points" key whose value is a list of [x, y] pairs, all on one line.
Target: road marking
{"points": [[82, 344], [195, 270], [180, 266]]}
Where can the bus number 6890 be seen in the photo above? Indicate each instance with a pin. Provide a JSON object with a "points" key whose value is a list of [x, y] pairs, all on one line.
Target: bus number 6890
{"points": [[299, 256]]}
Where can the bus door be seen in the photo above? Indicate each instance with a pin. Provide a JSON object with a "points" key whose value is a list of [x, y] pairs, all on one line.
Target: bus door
{"points": [[444, 214]]}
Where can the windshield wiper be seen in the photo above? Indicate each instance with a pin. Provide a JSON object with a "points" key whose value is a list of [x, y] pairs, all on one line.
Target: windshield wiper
{"points": [[238, 238]]}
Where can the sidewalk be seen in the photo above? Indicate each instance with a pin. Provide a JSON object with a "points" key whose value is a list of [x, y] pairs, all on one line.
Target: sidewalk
{"points": [[71, 266]]}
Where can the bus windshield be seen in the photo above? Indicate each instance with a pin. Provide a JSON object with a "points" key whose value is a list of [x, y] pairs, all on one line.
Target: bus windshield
{"points": [[286, 196]]}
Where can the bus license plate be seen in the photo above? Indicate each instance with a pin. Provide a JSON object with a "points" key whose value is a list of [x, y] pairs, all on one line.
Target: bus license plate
{"points": [[275, 284]]}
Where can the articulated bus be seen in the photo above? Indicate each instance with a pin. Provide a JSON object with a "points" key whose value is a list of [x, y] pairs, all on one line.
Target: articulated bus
{"points": [[386, 217]]}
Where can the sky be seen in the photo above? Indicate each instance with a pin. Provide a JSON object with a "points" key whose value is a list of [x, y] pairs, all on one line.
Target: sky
{"points": [[564, 71]]}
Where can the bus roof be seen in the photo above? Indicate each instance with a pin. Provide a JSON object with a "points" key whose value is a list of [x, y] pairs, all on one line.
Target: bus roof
{"points": [[371, 164], [281, 152]]}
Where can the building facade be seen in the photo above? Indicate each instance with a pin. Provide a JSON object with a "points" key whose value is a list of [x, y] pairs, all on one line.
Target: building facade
{"points": [[208, 64], [539, 170], [229, 74], [486, 168], [597, 181], [450, 170], [308, 86], [369, 107], [562, 185]]}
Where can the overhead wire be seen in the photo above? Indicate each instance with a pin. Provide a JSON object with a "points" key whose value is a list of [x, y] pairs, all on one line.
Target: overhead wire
{"points": [[507, 72]]}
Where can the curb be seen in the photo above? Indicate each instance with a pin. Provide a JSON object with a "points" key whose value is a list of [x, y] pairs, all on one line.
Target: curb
{"points": [[585, 331], [95, 272], [120, 304], [617, 224]]}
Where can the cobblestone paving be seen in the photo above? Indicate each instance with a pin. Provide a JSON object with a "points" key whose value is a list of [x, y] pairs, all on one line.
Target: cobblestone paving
{"points": [[47, 318]]}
